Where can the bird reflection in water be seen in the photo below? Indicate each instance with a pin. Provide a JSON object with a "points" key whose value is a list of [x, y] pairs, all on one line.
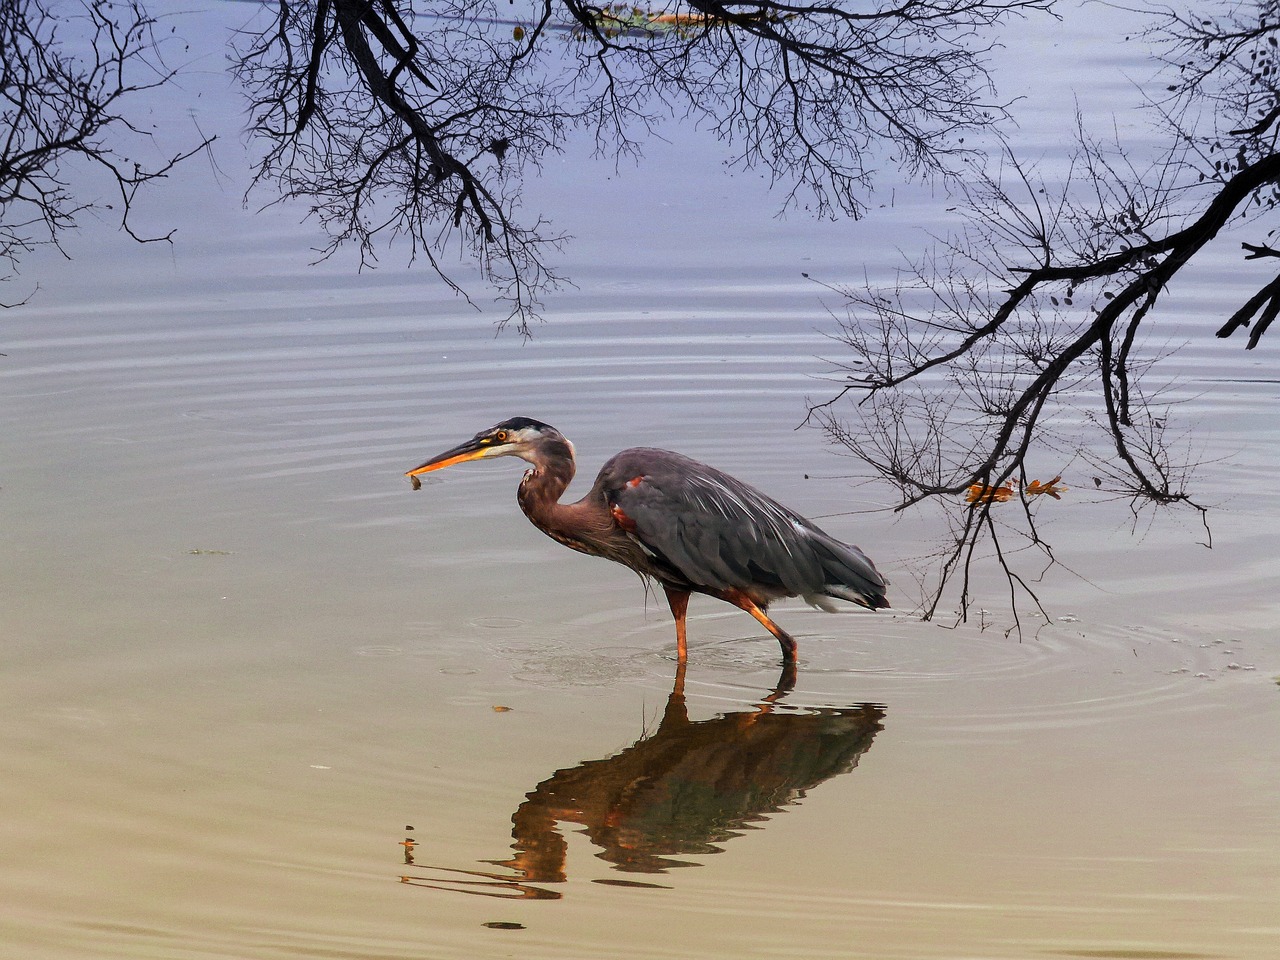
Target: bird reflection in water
{"points": [[679, 791]]}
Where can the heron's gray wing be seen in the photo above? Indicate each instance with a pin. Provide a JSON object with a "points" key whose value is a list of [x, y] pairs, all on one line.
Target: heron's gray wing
{"points": [[720, 532]]}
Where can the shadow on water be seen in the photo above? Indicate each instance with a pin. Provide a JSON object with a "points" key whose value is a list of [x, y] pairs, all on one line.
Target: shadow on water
{"points": [[679, 791]]}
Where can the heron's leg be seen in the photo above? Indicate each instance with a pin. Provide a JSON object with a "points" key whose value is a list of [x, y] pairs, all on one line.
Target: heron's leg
{"points": [[678, 601], [785, 640]]}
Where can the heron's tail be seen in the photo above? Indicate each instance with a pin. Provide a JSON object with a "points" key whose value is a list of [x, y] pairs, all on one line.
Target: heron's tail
{"points": [[850, 574]]}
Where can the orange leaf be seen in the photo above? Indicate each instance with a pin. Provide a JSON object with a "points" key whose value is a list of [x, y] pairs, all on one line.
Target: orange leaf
{"points": [[1053, 488], [981, 494]]}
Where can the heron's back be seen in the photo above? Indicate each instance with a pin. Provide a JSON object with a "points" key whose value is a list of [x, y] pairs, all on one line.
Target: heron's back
{"points": [[721, 534]]}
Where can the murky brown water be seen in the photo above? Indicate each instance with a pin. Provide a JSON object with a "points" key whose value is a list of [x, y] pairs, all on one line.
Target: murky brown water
{"points": [[244, 664]]}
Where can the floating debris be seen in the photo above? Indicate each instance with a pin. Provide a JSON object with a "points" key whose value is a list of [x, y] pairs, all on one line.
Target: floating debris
{"points": [[504, 925], [1053, 488], [637, 884], [625, 19], [979, 493], [982, 494]]}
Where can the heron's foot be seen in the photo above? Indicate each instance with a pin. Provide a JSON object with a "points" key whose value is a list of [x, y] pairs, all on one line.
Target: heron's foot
{"points": [[788, 644]]}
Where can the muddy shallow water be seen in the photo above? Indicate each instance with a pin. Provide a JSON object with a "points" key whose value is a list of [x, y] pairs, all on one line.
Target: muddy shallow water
{"points": [[250, 679]]}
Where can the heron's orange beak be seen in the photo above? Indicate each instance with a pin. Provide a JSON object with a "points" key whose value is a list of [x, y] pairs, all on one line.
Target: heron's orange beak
{"points": [[459, 454], [446, 461]]}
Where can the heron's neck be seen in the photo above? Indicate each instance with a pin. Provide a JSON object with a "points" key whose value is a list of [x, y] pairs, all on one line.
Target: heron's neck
{"points": [[542, 487], [583, 525]]}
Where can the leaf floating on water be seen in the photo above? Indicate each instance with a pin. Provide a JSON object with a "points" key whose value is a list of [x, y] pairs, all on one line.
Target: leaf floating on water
{"points": [[978, 493], [498, 708], [1053, 488], [415, 483], [504, 925], [983, 494]]}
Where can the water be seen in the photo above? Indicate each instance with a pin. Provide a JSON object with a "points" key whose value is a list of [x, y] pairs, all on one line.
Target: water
{"points": [[244, 662]]}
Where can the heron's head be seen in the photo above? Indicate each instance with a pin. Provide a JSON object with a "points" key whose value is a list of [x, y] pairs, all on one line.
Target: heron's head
{"points": [[520, 437]]}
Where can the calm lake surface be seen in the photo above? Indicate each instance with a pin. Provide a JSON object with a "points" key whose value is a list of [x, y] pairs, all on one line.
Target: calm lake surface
{"points": [[249, 678]]}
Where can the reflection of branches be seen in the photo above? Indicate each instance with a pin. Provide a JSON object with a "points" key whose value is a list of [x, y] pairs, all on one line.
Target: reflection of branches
{"points": [[418, 121], [60, 98]]}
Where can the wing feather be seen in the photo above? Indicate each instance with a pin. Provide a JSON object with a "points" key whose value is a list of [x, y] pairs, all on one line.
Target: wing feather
{"points": [[721, 533]]}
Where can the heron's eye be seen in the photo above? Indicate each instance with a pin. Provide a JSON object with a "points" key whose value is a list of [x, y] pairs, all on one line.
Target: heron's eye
{"points": [[501, 436]]}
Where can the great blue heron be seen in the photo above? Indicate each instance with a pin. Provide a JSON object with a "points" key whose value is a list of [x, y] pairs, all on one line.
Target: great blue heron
{"points": [[689, 526]]}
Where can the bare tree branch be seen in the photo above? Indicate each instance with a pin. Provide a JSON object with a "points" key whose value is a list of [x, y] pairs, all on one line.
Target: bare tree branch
{"points": [[1019, 342]]}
